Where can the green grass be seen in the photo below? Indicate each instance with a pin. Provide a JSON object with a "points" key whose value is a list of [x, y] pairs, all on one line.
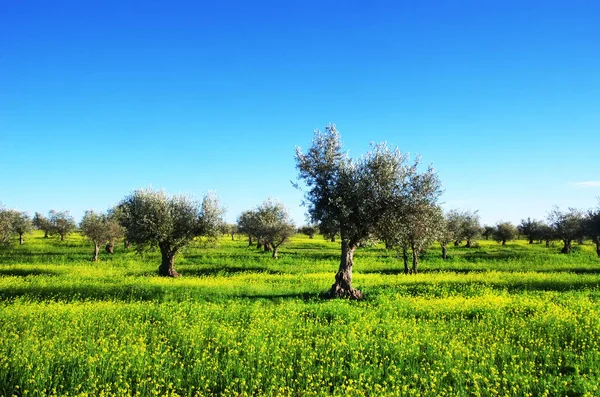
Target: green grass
{"points": [[515, 320]]}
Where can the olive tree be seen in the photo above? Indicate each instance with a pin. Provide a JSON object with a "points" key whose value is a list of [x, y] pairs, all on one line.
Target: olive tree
{"points": [[247, 223], [152, 218], [504, 232], [592, 226], [5, 226], [346, 195], [445, 235], [21, 224], [465, 225], [567, 226], [530, 228], [40, 222], [275, 225], [100, 229], [309, 230], [487, 231], [61, 223]]}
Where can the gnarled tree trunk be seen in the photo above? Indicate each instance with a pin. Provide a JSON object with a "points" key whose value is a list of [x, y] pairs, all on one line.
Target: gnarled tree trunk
{"points": [[444, 251], [167, 266], [405, 260], [342, 288], [96, 252], [20, 239], [566, 249], [267, 247], [249, 241], [62, 237], [415, 260], [110, 248], [468, 245], [275, 251]]}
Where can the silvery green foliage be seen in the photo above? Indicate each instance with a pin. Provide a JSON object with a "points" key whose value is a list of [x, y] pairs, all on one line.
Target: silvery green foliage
{"points": [[5, 226], [61, 223], [151, 218], [566, 226], [275, 224], [464, 225], [248, 223], [40, 222], [504, 232], [347, 195], [100, 228]]}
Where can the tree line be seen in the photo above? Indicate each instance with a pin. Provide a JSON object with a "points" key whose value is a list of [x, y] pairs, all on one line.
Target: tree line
{"points": [[381, 196]]}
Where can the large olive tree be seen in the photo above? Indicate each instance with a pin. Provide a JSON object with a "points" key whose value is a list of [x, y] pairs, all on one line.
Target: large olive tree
{"points": [[152, 218], [347, 195]]}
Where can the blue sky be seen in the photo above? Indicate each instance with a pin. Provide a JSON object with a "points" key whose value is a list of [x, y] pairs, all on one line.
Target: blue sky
{"points": [[101, 97]]}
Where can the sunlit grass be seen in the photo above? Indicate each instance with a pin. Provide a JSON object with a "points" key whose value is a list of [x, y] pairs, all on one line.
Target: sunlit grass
{"points": [[515, 320]]}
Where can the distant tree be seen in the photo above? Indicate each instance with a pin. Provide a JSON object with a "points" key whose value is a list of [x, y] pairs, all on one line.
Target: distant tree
{"points": [[309, 230], [114, 231], [229, 229], [6, 229], [592, 226], [348, 195], [93, 226], [445, 235], [545, 233], [21, 224], [567, 226], [504, 232], [151, 218], [412, 218], [247, 223], [62, 223], [530, 228], [465, 226], [488, 231], [275, 225], [40, 222]]}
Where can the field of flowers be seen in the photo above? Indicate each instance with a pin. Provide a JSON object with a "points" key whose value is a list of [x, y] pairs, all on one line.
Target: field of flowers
{"points": [[517, 320]]}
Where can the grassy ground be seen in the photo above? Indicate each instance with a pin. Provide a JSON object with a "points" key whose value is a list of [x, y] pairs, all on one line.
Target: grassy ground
{"points": [[515, 320]]}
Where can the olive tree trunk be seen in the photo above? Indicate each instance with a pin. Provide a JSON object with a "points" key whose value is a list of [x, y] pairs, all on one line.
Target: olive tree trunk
{"points": [[267, 247], [249, 241], [45, 234], [62, 237], [275, 251], [110, 248], [21, 239], [167, 266], [566, 249], [342, 288], [415, 260], [468, 245], [598, 249], [444, 252], [405, 260], [530, 240], [96, 252]]}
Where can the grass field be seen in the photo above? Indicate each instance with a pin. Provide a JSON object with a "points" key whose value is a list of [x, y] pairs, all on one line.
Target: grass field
{"points": [[517, 320]]}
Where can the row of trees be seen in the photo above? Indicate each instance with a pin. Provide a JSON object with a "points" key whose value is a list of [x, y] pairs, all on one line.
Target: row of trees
{"points": [[17, 223]]}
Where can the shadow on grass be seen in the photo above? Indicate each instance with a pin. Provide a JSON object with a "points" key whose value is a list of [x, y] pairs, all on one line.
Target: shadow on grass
{"points": [[210, 271], [28, 272]]}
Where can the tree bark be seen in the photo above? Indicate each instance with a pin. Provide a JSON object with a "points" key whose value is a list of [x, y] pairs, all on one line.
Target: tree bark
{"points": [[598, 249], [62, 237], [567, 247], [167, 266], [503, 242], [96, 252], [110, 248], [249, 241], [21, 239], [530, 240], [468, 245], [405, 260], [415, 260], [267, 247], [259, 245], [547, 243], [275, 250], [444, 252], [45, 234], [232, 236], [333, 239], [342, 288]]}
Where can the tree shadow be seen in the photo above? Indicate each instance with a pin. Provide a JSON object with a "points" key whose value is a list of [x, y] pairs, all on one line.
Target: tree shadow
{"points": [[28, 272]]}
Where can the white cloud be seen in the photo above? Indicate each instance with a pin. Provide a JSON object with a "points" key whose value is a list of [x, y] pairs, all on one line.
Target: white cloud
{"points": [[586, 184]]}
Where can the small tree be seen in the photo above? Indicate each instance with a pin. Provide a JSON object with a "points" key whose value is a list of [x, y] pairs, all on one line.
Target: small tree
{"points": [[530, 228], [247, 223], [100, 229], [309, 230], [464, 225], [546, 234], [62, 223], [229, 228], [592, 226], [6, 230], [567, 226], [445, 235], [275, 225], [487, 231], [21, 224], [151, 218], [40, 222], [504, 232]]}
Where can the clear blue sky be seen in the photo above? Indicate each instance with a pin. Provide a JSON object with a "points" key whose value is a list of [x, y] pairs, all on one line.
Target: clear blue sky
{"points": [[101, 97]]}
